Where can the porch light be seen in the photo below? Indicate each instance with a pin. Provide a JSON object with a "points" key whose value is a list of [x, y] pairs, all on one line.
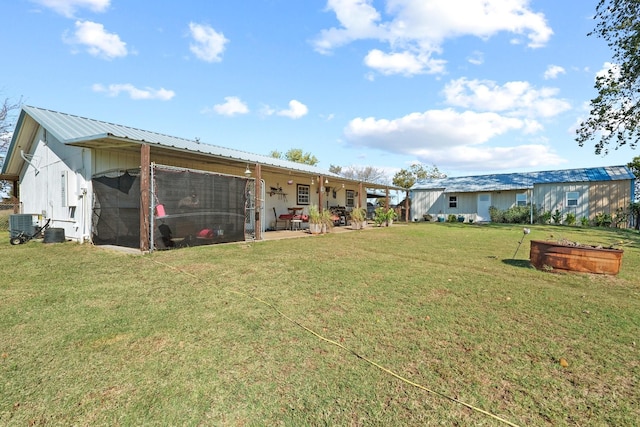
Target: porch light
{"points": [[247, 172]]}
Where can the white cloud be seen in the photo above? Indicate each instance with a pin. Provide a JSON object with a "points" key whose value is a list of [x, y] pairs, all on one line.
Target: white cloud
{"points": [[492, 158], [295, 111], [406, 63], [517, 98], [553, 71], [97, 41], [434, 128], [208, 44], [231, 107], [421, 27], [134, 93], [476, 58], [68, 7], [454, 140]]}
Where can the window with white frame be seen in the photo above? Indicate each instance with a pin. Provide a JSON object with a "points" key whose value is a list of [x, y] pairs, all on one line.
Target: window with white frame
{"points": [[351, 196], [303, 194], [453, 201], [572, 198], [521, 199]]}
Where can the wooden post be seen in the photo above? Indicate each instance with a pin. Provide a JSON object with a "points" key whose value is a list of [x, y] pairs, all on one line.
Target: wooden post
{"points": [[360, 188], [145, 195], [406, 206], [320, 193], [258, 203]]}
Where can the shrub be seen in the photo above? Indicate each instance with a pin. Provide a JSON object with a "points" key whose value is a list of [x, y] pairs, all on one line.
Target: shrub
{"points": [[513, 215], [603, 220], [584, 221], [557, 217], [495, 214], [452, 218], [570, 219], [544, 217]]}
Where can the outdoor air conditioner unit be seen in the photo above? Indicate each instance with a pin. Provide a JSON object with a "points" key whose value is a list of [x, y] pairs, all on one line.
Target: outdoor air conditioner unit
{"points": [[22, 224]]}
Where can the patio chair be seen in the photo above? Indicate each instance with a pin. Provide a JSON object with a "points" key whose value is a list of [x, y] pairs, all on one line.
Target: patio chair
{"points": [[283, 221]]}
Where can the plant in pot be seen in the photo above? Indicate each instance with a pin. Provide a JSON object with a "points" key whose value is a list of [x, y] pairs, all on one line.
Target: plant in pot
{"points": [[326, 220], [315, 220], [358, 218], [384, 216]]}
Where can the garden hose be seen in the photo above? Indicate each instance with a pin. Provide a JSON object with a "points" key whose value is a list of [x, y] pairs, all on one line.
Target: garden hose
{"points": [[337, 344]]}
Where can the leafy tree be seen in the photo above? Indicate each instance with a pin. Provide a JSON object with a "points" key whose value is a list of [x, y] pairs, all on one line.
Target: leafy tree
{"points": [[406, 178], [634, 207], [7, 110], [615, 111], [295, 155]]}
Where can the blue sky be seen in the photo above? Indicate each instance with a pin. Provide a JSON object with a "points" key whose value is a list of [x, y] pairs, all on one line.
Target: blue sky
{"points": [[469, 86]]}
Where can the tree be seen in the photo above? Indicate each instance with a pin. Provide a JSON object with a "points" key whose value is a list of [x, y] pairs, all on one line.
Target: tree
{"points": [[295, 155], [7, 110], [360, 173], [634, 207], [406, 178], [615, 111]]}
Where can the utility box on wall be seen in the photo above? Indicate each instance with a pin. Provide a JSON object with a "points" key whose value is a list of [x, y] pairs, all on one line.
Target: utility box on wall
{"points": [[68, 189]]}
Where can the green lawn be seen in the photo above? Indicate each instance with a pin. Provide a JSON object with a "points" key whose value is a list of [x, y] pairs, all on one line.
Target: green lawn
{"points": [[216, 335]]}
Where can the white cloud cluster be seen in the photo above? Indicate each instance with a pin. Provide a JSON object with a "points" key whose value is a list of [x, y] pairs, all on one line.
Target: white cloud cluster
{"points": [[97, 40], [296, 110], [417, 29], [516, 98], [134, 92], [68, 8], [553, 71], [231, 107], [462, 138], [208, 44]]}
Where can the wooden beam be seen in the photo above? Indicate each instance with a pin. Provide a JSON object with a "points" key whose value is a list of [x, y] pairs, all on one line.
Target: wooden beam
{"points": [[258, 203], [145, 196]]}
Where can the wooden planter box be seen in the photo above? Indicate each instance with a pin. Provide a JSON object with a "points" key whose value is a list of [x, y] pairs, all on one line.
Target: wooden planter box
{"points": [[551, 256]]}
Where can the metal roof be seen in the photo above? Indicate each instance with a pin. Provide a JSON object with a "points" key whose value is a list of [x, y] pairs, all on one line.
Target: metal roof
{"points": [[525, 180], [75, 130]]}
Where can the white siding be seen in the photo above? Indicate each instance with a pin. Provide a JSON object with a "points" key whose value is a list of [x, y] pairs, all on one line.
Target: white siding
{"points": [[60, 188], [549, 197]]}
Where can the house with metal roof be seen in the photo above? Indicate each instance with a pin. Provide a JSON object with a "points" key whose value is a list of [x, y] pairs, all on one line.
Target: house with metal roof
{"points": [[107, 183], [584, 192]]}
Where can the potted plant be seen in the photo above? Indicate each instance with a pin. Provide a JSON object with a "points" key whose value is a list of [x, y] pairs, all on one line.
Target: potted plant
{"points": [[358, 218], [315, 220], [384, 216], [326, 220]]}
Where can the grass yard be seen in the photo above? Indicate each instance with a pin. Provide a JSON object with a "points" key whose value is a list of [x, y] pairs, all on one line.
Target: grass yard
{"points": [[197, 336]]}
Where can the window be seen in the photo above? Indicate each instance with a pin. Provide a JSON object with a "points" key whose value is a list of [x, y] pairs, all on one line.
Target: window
{"points": [[351, 196], [453, 201], [303, 194], [572, 198], [521, 199]]}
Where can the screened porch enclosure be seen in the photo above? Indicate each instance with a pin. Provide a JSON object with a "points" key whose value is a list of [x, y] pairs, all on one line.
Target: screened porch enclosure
{"points": [[188, 208]]}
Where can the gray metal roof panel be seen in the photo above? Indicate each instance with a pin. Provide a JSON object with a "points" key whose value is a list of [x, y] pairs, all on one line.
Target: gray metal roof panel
{"points": [[70, 129], [519, 181]]}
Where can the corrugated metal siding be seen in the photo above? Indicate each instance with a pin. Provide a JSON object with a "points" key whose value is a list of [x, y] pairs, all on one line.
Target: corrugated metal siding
{"points": [[549, 197], [607, 197]]}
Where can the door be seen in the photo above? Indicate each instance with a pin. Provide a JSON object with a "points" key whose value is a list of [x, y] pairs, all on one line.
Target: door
{"points": [[484, 202]]}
